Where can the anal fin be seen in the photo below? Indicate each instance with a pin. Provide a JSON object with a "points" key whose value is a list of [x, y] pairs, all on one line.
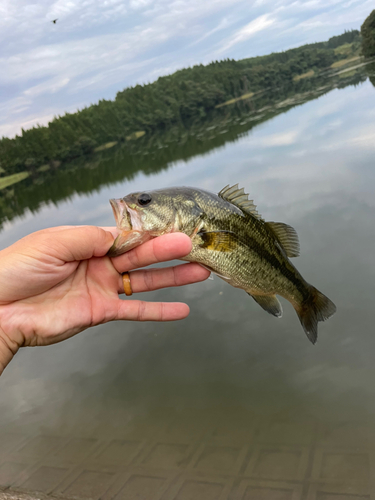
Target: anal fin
{"points": [[269, 303]]}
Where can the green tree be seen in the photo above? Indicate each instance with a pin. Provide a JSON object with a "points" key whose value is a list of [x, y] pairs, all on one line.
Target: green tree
{"points": [[368, 35], [347, 37]]}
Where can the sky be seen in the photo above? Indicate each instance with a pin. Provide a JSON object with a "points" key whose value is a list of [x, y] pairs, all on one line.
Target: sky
{"points": [[99, 47]]}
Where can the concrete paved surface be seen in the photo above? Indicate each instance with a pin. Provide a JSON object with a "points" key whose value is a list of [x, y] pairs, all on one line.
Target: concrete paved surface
{"points": [[235, 457]]}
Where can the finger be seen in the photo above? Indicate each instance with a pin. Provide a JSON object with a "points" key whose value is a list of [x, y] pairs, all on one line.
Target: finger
{"points": [[53, 229], [138, 310], [163, 248], [73, 243], [154, 279], [111, 229]]}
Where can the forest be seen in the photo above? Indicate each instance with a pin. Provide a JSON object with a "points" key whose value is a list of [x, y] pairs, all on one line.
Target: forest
{"points": [[178, 99]]}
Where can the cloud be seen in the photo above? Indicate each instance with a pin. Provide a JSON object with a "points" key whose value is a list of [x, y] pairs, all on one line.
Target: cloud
{"points": [[339, 14], [224, 23], [258, 24], [51, 86], [140, 4], [15, 127]]}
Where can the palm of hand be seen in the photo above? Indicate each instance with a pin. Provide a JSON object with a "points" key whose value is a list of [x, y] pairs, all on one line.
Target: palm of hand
{"points": [[58, 282], [85, 294], [58, 297]]}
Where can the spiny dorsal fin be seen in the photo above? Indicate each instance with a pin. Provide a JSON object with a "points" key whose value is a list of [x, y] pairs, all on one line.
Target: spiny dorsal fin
{"points": [[286, 236], [239, 198]]}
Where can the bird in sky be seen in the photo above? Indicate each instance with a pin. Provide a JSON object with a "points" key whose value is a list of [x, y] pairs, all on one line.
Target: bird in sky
{"points": [[54, 21]]}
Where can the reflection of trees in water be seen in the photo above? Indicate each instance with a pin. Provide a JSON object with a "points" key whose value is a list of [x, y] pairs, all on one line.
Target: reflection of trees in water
{"points": [[371, 72], [154, 153]]}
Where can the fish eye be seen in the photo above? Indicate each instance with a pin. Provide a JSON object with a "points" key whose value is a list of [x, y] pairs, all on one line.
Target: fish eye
{"points": [[144, 199]]}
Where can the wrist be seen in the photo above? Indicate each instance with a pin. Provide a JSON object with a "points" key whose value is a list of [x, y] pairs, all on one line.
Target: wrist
{"points": [[8, 349]]}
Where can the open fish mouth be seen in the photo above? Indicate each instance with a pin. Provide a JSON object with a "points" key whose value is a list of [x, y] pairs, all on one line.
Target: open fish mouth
{"points": [[129, 225], [121, 213]]}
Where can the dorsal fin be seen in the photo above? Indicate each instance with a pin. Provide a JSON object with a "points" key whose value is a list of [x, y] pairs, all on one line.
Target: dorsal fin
{"points": [[239, 198], [286, 236]]}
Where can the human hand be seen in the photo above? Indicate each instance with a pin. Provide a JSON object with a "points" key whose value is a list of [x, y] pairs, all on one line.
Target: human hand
{"points": [[57, 282]]}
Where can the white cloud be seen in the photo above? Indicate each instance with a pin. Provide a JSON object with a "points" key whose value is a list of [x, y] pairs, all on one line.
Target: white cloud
{"points": [[12, 126], [97, 53], [342, 15], [51, 86], [15, 128], [14, 105], [224, 23], [140, 4], [258, 24]]}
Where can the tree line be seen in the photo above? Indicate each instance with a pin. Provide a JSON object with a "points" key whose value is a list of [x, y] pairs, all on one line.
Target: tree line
{"points": [[187, 95]]}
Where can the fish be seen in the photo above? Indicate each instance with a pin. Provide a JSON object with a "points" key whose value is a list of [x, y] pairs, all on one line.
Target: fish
{"points": [[229, 238]]}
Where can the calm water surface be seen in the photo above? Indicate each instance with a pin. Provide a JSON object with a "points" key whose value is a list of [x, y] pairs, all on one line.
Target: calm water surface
{"points": [[231, 402]]}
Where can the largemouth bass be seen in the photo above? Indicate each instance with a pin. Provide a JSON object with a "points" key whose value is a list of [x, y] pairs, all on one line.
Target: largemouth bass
{"points": [[230, 239]]}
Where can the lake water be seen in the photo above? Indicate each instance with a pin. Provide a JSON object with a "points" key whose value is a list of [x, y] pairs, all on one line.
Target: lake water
{"points": [[230, 403]]}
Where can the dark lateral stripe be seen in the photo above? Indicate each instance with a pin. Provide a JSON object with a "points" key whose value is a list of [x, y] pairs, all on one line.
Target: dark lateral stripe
{"points": [[281, 265]]}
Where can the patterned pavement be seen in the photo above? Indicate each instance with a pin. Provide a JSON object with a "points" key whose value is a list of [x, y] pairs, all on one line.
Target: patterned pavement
{"points": [[224, 457]]}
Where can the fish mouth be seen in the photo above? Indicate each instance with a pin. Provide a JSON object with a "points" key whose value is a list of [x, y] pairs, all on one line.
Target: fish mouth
{"points": [[129, 225], [121, 213]]}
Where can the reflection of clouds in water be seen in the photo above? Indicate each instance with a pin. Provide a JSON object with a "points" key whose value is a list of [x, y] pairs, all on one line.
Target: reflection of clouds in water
{"points": [[330, 126], [77, 366], [281, 139], [350, 140], [20, 398], [331, 106], [227, 307], [365, 139], [342, 377], [100, 210], [303, 188]]}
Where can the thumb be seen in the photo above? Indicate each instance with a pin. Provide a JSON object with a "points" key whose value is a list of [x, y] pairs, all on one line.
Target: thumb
{"points": [[80, 242], [64, 243]]}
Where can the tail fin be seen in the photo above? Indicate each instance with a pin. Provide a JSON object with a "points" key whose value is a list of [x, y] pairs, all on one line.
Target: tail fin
{"points": [[316, 308]]}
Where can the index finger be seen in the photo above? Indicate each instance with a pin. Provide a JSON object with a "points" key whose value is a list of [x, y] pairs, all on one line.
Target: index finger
{"points": [[160, 249]]}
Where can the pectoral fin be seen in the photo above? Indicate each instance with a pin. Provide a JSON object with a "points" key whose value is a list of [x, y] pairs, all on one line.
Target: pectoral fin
{"points": [[269, 303], [220, 241]]}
